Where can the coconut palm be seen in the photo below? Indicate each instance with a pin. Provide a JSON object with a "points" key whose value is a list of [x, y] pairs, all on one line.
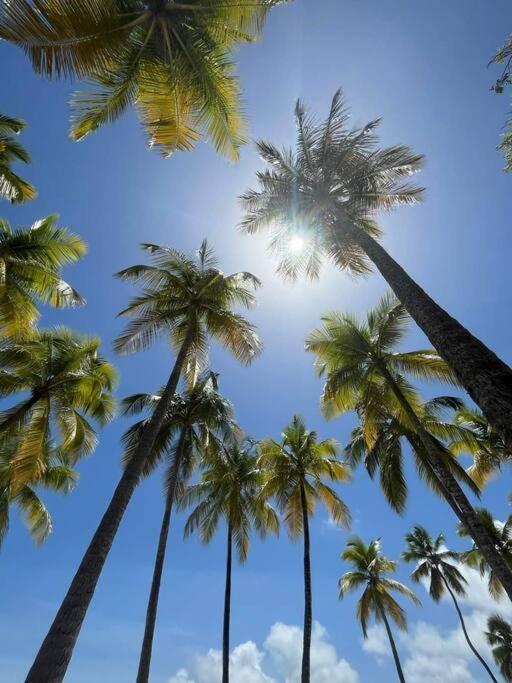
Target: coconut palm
{"points": [[230, 489], [504, 57], [436, 563], [321, 201], [188, 300], [12, 187], [361, 365], [370, 572], [193, 423], [499, 637], [31, 260], [295, 469], [63, 382], [482, 442], [170, 60], [501, 535], [57, 476]]}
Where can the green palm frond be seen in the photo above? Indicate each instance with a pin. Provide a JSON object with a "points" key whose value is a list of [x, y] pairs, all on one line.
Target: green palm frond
{"points": [[12, 186]]}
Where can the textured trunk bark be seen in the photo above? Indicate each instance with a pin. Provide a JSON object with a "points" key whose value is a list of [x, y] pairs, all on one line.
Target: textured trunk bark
{"points": [[53, 658], [462, 507], [227, 610], [486, 378], [149, 629], [466, 636], [398, 665], [306, 642]]}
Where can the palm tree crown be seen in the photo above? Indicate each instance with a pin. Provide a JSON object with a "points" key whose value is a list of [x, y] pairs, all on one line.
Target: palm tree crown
{"points": [[30, 263], [68, 382], [499, 637], [336, 179], [370, 572], [169, 59], [12, 187]]}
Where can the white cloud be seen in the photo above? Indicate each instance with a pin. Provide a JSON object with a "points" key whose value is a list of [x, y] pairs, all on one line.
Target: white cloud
{"points": [[281, 654]]}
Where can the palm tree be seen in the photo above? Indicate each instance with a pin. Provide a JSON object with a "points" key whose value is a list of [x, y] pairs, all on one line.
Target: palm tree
{"points": [[501, 535], [361, 365], [190, 301], [58, 476], [504, 56], [193, 423], [12, 187], [370, 570], [31, 260], [231, 489], [295, 469], [435, 562], [170, 60], [324, 197], [482, 442], [63, 381], [499, 637]]}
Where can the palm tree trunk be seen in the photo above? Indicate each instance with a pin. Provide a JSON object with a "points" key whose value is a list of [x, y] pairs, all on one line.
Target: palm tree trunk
{"points": [[53, 658], [227, 610], [456, 496], [308, 619], [398, 665], [149, 629], [466, 635], [486, 378]]}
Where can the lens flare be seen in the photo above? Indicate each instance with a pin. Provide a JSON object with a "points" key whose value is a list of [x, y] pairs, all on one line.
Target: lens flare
{"points": [[296, 244]]}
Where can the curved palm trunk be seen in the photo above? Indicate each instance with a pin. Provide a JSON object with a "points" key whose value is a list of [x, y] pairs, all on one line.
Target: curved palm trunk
{"points": [[456, 497], [306, 642], [398, 665], [154, 594], [486, 378], [227, 610], [466, 635], [53, 658]]}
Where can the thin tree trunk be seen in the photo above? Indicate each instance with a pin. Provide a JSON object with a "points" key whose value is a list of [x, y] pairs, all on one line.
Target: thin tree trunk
{"points": [[149, 629], [462, 507], [308, 619], [466, 635], [398, 665], [53, 658], [227, 610], [486, 378]]}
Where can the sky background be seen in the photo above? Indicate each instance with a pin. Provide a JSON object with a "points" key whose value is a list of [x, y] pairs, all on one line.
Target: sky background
{"points": [[422, 67]]}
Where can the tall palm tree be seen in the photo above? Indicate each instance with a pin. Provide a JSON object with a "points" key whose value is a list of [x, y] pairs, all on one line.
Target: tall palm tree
{"points": [[499, 637], [361, 363], [31, 260], [63, 382], [193, 423], [170, 60], [501, 534], [231, 489], [327, 193], [57, 476], [436, 563], [370, 570], [12, 186], [295, 469], [189, 300], [482, 442]]}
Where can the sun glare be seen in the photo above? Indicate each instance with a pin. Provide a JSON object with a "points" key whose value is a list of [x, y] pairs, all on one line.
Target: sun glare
{"points": [[296, 244]]}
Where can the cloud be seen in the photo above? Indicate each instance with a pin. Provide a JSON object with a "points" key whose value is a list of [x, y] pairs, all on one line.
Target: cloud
{"points": [[279, 661]]}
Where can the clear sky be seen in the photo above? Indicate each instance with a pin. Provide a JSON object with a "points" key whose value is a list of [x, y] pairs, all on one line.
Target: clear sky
{"points": [[422, 67]]}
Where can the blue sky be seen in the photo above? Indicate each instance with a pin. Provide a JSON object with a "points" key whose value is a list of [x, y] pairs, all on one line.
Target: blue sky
{"points": [[422, 67]]}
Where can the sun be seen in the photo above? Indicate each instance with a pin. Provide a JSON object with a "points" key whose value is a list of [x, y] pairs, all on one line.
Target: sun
{"points": [[296, 244]]}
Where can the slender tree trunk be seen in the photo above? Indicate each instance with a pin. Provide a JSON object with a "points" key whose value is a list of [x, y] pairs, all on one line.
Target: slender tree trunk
{"points": [[398, 665], [308, 619], [53, 658], [466, 635], [486, 378], [149, 629], [227, 610], [456, 496]]}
